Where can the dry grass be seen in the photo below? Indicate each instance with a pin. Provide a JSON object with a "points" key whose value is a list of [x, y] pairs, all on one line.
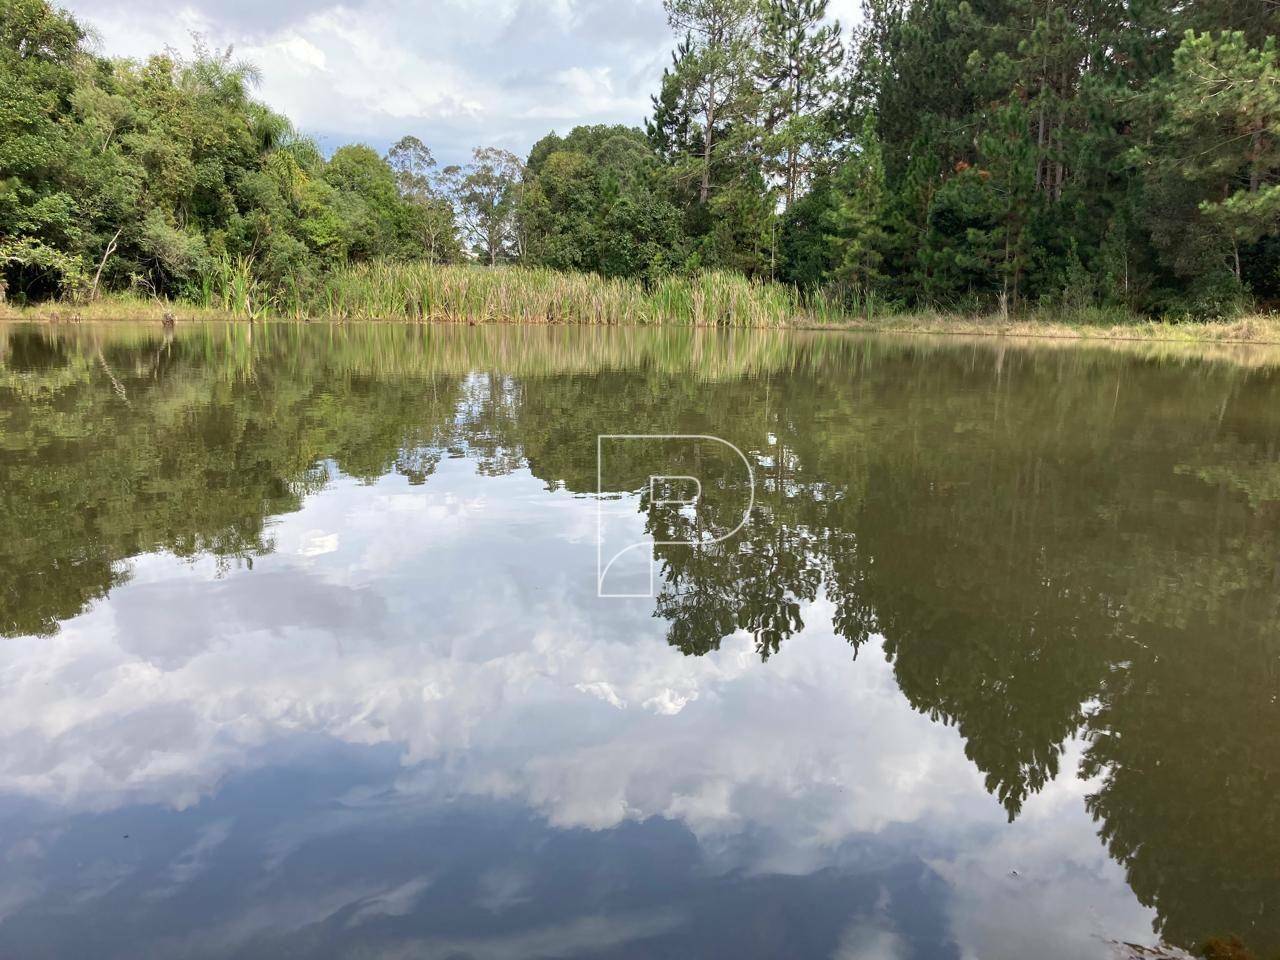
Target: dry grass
{"points": [[1253, 329], [111, 307]]}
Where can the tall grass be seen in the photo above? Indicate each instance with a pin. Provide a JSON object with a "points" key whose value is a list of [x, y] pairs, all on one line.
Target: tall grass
{"points": [[419, 291], [232, 286]]}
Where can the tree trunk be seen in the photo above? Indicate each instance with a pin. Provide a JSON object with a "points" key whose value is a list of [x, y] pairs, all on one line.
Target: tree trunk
{"points": [[97, 277], [792, 172], [705, 190], [1255, 154], [1040, 157]]}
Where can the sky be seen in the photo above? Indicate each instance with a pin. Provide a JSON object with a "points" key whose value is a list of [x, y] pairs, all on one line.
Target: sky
{"points": [[455, 73]]}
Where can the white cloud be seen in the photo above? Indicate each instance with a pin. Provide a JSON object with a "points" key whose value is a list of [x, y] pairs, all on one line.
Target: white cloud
{"points": [[1008, 891], [457, 73], [509, 679], [316, 543]]}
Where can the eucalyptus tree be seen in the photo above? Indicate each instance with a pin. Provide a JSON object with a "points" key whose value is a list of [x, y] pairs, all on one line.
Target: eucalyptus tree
{"points": [[486, 195], [421, 184]]}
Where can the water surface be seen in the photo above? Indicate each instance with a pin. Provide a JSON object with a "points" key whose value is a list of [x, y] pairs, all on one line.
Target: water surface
{"points": [[303, 652]]}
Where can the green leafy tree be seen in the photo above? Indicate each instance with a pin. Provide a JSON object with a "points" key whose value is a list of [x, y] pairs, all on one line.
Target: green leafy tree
{"points": [[598, 200], [42, 237]]}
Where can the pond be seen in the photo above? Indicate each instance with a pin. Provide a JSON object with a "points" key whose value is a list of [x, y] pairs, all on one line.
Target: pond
{"points": [[312, 644]]}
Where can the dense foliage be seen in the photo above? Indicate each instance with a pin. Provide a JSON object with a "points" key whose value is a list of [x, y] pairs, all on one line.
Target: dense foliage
{"points": [[168, 177], [1109, 153], [952, 153]]}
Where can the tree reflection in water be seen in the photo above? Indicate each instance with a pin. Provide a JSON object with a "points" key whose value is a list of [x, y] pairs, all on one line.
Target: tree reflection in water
{"points": [[1051, 543]]}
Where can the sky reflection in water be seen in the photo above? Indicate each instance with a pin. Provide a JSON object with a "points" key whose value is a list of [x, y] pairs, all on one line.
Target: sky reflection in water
{"points": [[396, 720]]}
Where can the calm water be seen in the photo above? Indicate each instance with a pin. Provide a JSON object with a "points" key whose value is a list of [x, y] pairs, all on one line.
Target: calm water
{"points": [[303, 652]]}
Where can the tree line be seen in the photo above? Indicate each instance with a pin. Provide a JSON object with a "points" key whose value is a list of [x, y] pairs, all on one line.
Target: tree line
{"points": [[948, 153]]}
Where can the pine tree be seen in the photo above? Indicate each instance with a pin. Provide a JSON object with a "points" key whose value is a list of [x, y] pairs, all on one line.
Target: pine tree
{"points": [[712, 73], [799, 61], [1225, 103], [857, 236], [1213, 167]]}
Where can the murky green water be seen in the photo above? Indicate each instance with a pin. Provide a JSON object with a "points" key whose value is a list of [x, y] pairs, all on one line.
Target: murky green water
{"points": [[304, 651]]}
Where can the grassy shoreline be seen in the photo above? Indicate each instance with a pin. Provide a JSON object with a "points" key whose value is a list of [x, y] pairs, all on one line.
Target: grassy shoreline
{"points": [[467, 294], [1250, 329], [1045, 324]]}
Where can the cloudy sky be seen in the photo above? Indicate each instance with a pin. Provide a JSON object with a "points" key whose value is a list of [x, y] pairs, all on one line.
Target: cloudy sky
{"points": [[456, 73]]}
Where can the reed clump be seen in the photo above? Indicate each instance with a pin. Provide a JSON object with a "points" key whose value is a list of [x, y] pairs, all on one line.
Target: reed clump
{"points": [[419, 291]]}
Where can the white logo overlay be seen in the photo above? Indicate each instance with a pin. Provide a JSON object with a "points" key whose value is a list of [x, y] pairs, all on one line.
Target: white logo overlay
{"points": [[625, 557]]}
